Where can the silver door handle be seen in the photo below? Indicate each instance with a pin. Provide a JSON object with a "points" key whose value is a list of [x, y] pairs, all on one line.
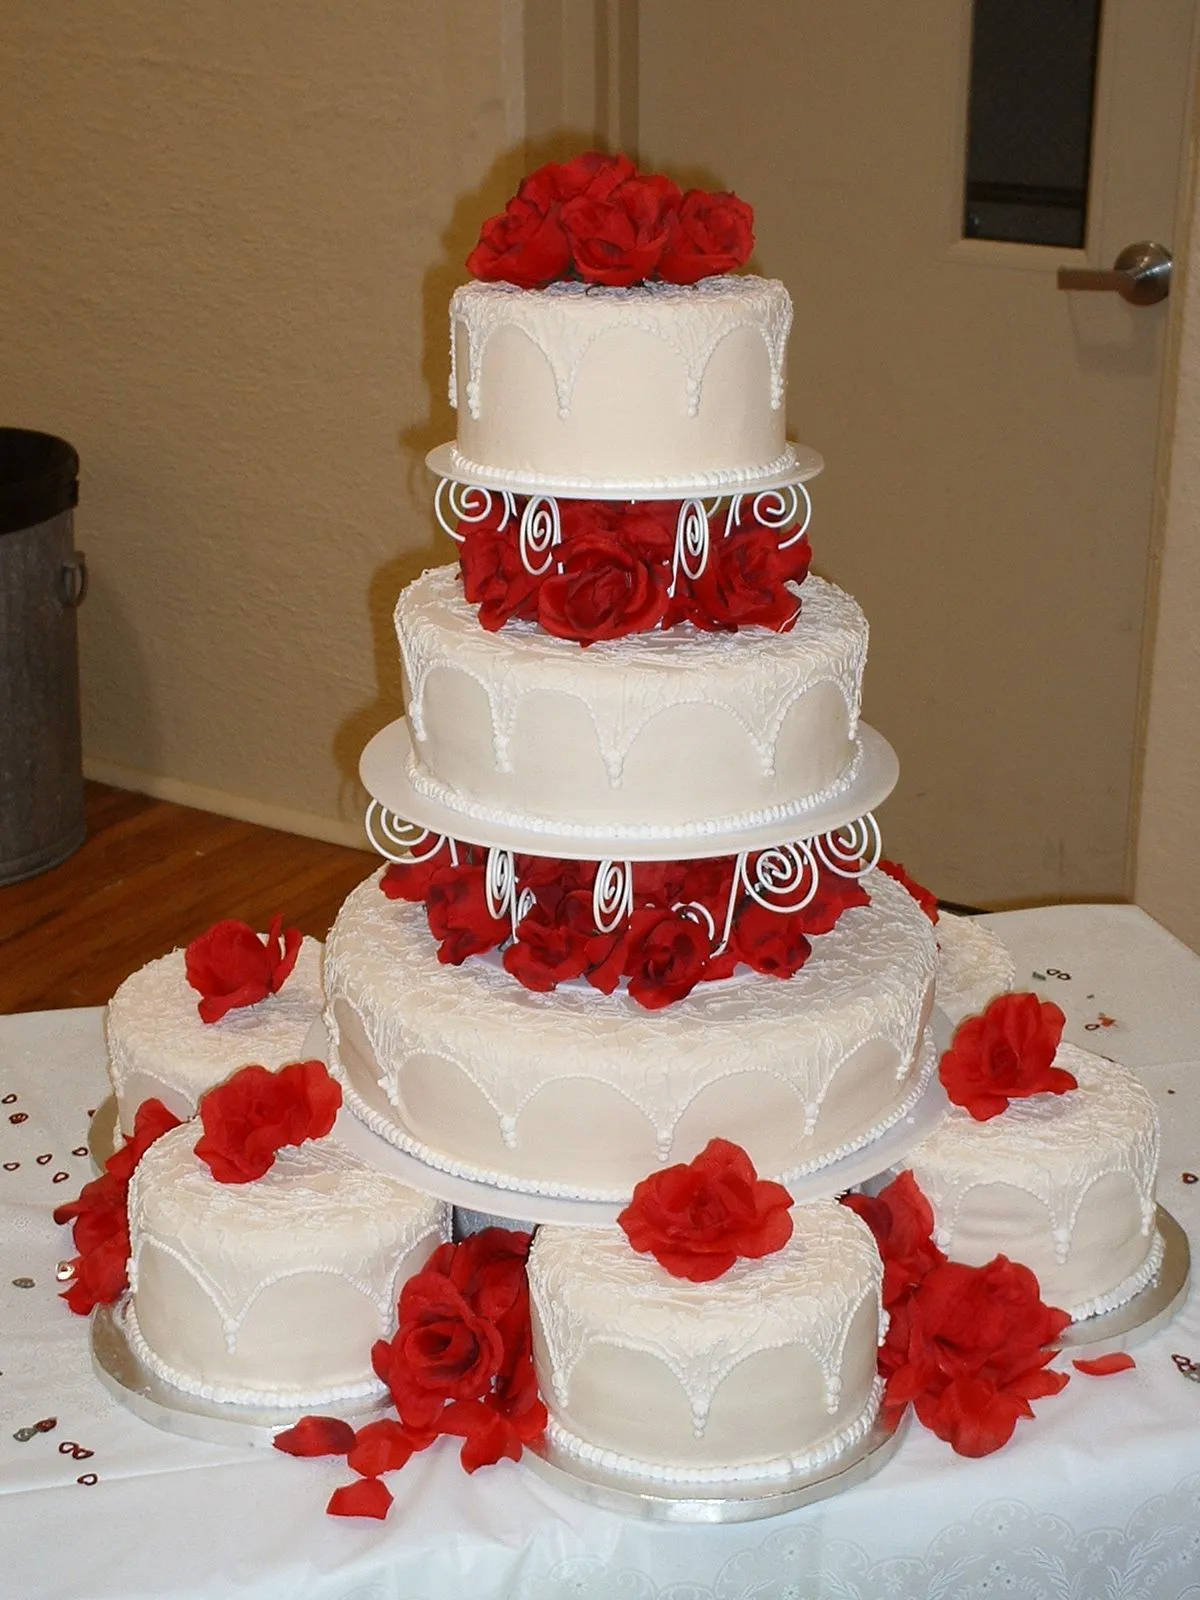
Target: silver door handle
{"points": [[1141, 274]]}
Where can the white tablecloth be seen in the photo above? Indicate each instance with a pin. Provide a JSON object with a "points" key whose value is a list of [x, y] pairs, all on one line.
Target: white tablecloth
{"points": [[1099, 1497]]}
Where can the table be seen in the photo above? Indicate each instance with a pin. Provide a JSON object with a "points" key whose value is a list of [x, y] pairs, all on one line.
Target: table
{"points": [[1100, 1496]]}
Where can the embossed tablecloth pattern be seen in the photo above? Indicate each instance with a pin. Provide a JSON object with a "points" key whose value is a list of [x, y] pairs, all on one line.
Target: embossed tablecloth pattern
{"points": [[1100, 1496]]}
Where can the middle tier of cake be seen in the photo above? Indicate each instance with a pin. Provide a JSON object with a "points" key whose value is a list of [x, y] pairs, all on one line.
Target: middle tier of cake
{"points": [[582, 1094], [683, 731]]}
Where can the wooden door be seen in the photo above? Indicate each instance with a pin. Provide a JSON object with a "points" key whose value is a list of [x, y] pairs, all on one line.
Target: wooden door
{"points": [[990, 440]]}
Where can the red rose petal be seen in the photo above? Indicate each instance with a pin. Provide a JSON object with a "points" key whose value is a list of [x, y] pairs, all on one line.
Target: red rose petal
{"points": [[365, 1497], [316, 1436], [379, 1447], [1102, 1366]]}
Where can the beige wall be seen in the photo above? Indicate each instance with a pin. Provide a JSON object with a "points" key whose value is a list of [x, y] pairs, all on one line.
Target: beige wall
{"points": [[229, 234], [1167, 852]]}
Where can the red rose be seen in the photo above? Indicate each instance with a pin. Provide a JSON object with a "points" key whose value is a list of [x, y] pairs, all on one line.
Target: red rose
{"points": [[459, 915], [835, 895], [710, 233], [619, 239], [770, 942], [248, 1119], [901, 1219], [100, 1216], [410, 880], [384, 1446], [970, 1351], [494, 577], [665, 956], [697, 1219], [923, 897], [231, 966], [603, 592], [1005, 1054], [744, 582], [593, 173], [547, 950], [524, 245]]}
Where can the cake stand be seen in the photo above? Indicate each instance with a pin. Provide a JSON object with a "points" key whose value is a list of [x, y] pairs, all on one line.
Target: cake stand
{"points": [[384, 767]]}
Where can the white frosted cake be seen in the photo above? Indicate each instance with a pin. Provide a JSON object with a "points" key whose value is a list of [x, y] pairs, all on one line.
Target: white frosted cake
{"points": [[581, 1093], [1063, 1183], [158, 1046], [766, 1372], [679, 730], [602, 387], [974, 966], [270, 1292]]}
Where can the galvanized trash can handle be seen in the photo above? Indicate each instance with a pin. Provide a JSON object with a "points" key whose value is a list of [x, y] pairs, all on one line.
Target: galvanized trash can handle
{"points": [[73, 580]]}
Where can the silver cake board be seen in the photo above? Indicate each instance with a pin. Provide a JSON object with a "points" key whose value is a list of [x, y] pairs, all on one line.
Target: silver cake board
{"points": [[130, 1381], [737, 1501]]}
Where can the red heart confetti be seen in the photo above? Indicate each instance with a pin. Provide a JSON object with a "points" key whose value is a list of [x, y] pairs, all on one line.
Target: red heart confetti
{"points": [[88, 1479], [42, 1160], [23, 1283], [11, 1166], [60, 1177], [77, 1452], [19, 1116], [1190, 1177], [80, 1150], [9, 1099]]}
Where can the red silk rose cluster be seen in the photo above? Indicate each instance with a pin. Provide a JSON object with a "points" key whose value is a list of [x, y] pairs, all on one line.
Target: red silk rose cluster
{"points": [[924, 897], [459, 1363], [1005, 1054], [599, 219], [666, 947], [100, 1216], [231, 967], [612, 571], [696, 1219], [967, 1346], [251, 1116]]}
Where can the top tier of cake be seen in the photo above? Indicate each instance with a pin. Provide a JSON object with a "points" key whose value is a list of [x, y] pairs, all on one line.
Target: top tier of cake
{"points": [[593, 389]]}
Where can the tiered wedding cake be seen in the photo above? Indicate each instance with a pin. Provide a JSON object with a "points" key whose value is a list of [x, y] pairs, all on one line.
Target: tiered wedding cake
{"points": [[636, 913]]}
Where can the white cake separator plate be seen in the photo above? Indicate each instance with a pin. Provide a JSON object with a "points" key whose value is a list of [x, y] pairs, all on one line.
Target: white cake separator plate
{"points": [[383, 769], [446, 462], [713, 1503]]}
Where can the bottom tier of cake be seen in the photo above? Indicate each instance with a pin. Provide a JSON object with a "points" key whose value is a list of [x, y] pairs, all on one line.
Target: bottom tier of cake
{"points": [[579, 1093]]}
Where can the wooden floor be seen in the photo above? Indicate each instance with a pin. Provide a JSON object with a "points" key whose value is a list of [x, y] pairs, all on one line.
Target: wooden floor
{"points": [[152, 876]]}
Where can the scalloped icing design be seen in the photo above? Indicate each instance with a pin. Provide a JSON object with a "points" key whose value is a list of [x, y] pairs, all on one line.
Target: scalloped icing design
{"points": [[596, 1302], [590, 1091], [321, 1220], [1092, 1152], [157, 1044], [565, 320], [629, 732]]}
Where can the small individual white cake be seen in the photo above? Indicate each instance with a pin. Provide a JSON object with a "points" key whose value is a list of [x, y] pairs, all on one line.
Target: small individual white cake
{"points": [[679, 730], [662, 384], [765, 1372], [974, 966], [581, 1093], [1063, 1184], [270, 1292], [158, 1046]]}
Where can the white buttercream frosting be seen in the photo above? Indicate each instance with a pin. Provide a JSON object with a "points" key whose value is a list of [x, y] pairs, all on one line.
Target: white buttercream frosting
{"points": [[158, 1046], [271, 1291], [1062, 1183], [582, 1093], [600, 386], [701, 1396], [665, 729], [974, 966]]}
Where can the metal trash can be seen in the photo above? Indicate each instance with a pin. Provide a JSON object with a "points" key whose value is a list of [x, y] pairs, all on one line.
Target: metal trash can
{"points": [[43, 578]]}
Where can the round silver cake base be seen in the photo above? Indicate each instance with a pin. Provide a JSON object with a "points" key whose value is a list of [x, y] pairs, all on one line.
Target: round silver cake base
{"points": [[712, 1502], [1147, 1313], [141, 1391]]}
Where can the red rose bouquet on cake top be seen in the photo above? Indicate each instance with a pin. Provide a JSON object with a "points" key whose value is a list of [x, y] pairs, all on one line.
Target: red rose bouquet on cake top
{"points": [[230, 966], [1005, 1054], [597, 218]]}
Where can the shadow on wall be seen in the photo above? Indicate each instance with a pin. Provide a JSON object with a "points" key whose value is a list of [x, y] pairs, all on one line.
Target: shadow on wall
{"points": [[439, 283]]}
